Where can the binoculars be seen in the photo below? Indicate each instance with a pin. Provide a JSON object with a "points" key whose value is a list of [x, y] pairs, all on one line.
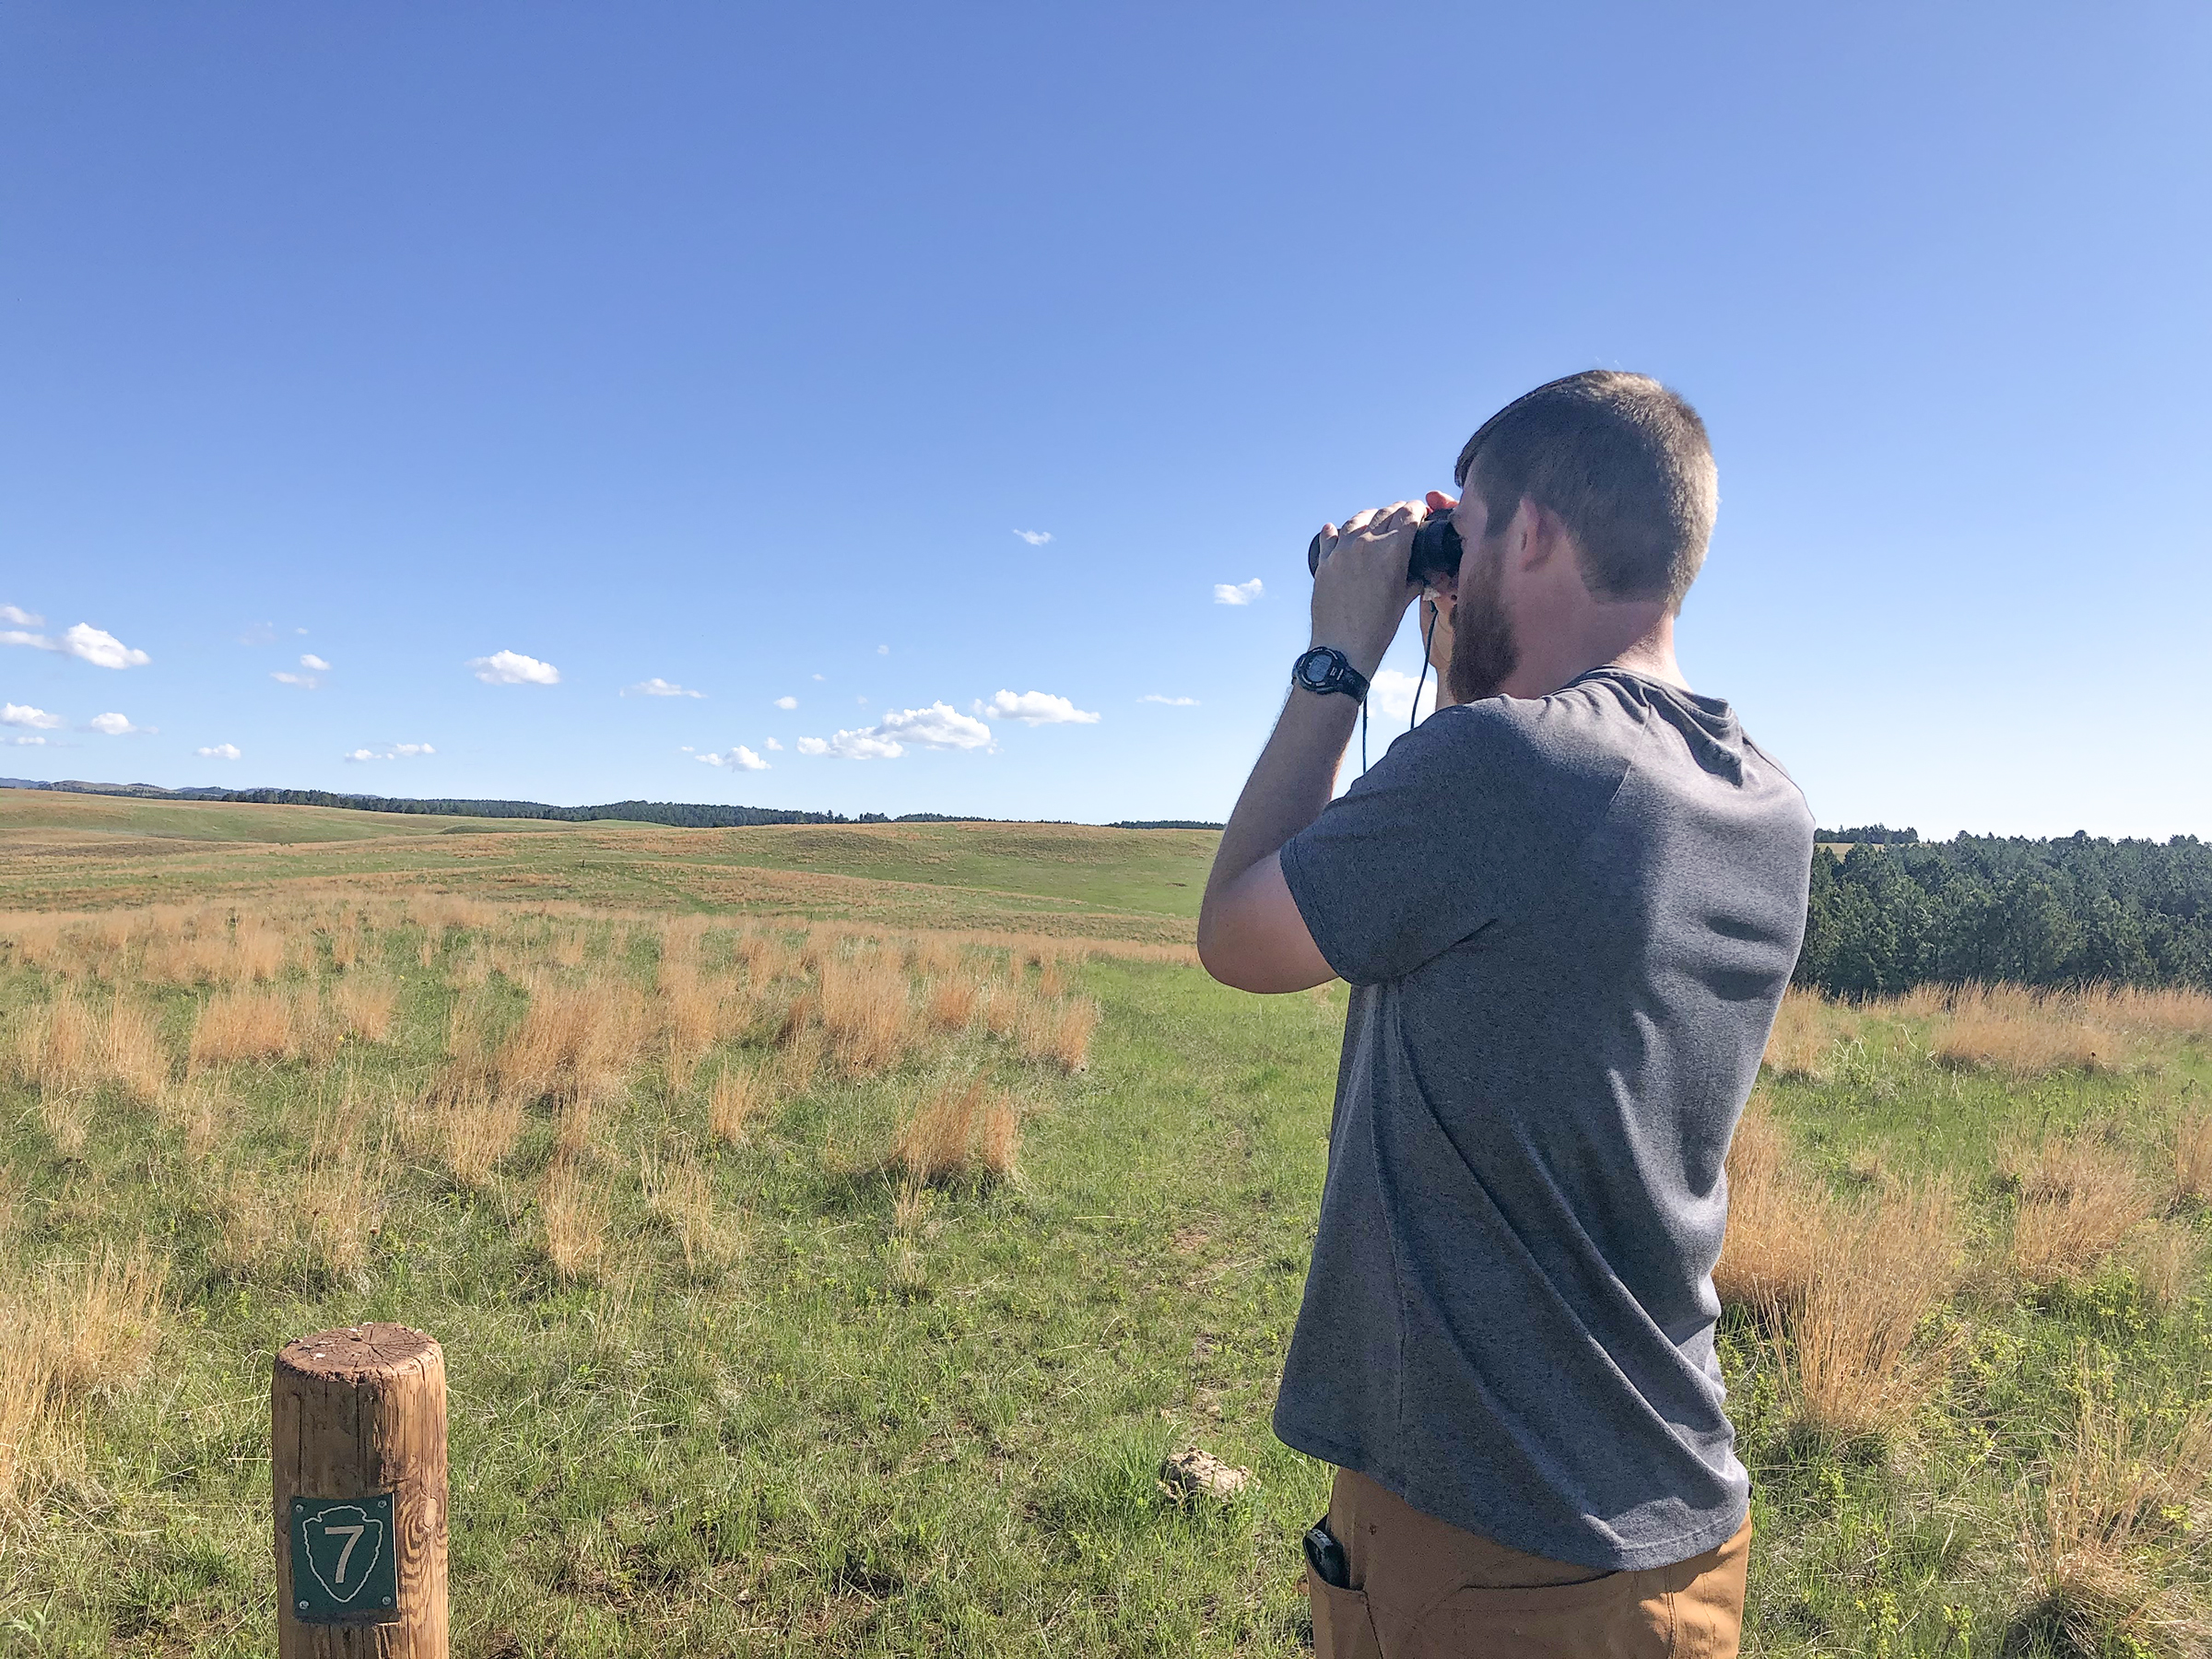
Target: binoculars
{"points": [[1436, 549]]}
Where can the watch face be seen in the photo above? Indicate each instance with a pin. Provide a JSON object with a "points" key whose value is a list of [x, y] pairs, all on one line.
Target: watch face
{"points": [[1317, 669]]}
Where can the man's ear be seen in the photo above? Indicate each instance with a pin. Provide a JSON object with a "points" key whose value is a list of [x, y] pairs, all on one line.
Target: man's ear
{"points": [[1532, 539]]}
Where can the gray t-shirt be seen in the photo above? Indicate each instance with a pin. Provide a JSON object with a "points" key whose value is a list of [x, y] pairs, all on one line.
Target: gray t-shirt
{"points": [[1567, 923]]}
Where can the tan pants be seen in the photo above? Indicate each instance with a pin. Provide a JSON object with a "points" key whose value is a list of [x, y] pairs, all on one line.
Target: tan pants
{"points": [[1424, 1589]]}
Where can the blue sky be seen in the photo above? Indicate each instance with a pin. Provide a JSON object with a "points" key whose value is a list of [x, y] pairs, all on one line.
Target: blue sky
{"points": [[362, 369]]}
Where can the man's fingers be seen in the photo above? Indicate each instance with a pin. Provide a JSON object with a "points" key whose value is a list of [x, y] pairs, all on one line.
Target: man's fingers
{"points": [[1440, 502]]}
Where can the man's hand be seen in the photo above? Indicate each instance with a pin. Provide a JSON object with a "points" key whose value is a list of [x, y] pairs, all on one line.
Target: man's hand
{"points": [[1360, 591], [1250, 932]]}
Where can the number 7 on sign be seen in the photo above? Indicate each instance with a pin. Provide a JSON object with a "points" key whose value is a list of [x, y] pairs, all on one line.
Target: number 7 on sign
{"points": [[332, 1534], [352, 1535]]}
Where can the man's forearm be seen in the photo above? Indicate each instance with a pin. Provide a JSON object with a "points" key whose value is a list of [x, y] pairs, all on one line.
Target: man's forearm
{"points": [[1288, 786]]}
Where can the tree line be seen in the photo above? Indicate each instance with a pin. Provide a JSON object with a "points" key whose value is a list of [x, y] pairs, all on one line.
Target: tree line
{"points": [[1897, 913]]}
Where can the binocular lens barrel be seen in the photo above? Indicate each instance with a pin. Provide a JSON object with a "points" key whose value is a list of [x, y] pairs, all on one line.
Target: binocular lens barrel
{"points": [[1436, 549]]}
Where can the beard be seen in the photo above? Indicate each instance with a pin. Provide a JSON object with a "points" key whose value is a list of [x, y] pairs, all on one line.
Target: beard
{"points": [[1483, 651]]}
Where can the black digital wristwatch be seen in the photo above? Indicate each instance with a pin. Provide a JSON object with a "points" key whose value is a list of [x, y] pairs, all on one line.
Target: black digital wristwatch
{"points": [[1325, 669]]}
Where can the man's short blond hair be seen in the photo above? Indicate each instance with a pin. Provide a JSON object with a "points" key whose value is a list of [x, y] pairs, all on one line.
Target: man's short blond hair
{"points": [[1625, 465]]}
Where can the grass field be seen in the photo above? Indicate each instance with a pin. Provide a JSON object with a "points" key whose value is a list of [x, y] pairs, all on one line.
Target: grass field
{"points": [[831, 1232]]}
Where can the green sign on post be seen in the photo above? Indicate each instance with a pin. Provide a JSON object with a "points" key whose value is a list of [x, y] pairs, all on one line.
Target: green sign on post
{"points": [[345, 1570]]}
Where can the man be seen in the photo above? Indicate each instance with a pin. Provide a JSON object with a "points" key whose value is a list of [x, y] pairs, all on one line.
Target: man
{"points": [[1568, 904]]}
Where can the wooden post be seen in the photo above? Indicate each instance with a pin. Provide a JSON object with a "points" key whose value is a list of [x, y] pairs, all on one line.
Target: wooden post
{"points": [[358, 1447]]}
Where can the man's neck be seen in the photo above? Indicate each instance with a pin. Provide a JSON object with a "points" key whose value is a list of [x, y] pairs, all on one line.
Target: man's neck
{"points": [[1615, 637]]}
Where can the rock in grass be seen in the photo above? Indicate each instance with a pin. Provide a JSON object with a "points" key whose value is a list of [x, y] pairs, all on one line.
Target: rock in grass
{"points": [[1192, 1473]]}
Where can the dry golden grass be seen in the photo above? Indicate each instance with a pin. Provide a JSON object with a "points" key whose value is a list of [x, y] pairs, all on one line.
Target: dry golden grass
{"points": [[2031, 1033], [573, 1217], [56, 1047], [691, 1017], [241, 1024], [737, 1095], [681, 938], [797, 1061], [865, 1016], [364, 1005], [1778, 1222], [2193, 1157], [1066, 1036], [2167, 1263], [72, 1047], [2079, 1198], [1001, 1003], [76, 1329], [465, 1128], [2123, 1476], [965, 1129], [577, 1041], [335, 1203], [1851, 1366], [953, 999], [197, 1111], [2006, 1029], [997, 1137], [933, 957], [681, 1196], [1805, 1034]]}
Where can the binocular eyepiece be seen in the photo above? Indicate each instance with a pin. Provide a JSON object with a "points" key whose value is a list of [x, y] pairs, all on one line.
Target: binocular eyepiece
{"points": [[1436, 549]]}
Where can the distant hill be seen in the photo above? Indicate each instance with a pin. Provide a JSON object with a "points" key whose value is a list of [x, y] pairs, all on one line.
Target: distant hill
{"points": [[687, 815], [146, 791]]}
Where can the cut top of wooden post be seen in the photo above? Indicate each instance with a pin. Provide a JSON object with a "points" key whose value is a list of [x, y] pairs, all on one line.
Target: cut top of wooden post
{"points": [[356, 1353]]}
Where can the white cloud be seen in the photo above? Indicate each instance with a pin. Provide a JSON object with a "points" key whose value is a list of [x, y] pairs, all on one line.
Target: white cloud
{"points": [[311, 661], [790, 703], [116, 725], [390, 751], [863, 745], [21, 619], [821, 676], [1036, 538], [94, 645], [23, 714], [772, 744], [25, 742], [739, 759], [512, 668], [657, 687], [1391, 693], [306, 682], [1035, 708], [218, 752], [1237, 592], [883, 651], [1172, 703], [939, 725]]}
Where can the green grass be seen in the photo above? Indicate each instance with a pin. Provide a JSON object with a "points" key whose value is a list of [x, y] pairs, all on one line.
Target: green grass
{"points": [[85, 852], [832, 1448], [25, 811]]}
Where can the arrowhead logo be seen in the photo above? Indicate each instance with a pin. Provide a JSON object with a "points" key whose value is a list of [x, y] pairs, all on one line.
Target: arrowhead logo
{"points": [[344, 1544]]}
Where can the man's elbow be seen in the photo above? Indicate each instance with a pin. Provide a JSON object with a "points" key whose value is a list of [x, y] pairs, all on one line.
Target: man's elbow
{"points": [[1219, 953], [1237, 962]]}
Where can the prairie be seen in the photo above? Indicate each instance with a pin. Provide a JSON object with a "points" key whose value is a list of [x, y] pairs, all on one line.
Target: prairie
{"points": [[828, 1249]]}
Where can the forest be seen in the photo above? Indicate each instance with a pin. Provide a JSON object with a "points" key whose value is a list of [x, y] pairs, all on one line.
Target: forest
{"points": [[1887, 915]]}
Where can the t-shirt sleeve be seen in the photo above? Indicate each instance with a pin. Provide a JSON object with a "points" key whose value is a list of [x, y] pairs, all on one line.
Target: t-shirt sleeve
{"points": [[1413, 857]]}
